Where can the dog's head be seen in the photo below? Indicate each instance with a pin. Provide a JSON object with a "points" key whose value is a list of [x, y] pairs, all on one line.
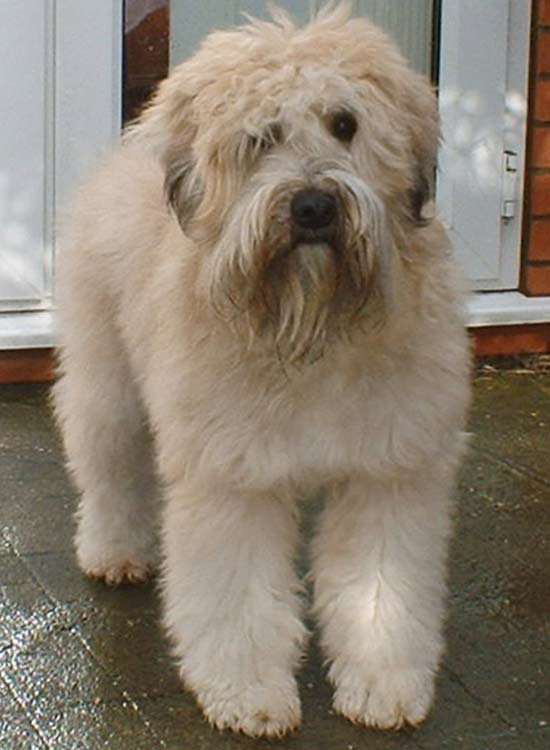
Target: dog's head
{"points": [[298, 160]]}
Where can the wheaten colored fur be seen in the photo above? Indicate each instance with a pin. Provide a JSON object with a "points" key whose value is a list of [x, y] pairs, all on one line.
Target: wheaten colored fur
{"points": [[254, 367]]}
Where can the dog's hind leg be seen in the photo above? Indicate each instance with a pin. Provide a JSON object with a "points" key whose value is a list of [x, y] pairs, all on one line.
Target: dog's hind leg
{"points": [[232, 606], [379, 569], [108, 450]]}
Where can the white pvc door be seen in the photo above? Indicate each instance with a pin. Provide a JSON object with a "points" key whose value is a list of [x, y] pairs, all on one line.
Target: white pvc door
{"points": [[60, 88], [483, 70], [26, 208]]}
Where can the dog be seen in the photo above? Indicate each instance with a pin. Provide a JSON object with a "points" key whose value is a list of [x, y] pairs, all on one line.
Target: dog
{"points": [[256, 301]]}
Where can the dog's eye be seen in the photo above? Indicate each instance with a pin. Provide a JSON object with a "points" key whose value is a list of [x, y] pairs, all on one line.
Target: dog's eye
{"points": [[272, 135], [343, 126]]}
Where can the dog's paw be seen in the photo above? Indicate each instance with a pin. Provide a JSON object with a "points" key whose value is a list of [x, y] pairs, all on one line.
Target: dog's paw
{"points": [[120, 572], [390, 701], [114, 562], [256, 710]]}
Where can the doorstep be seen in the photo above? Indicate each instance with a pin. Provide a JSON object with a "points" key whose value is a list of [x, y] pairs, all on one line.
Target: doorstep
{"points": [[36, 329]]}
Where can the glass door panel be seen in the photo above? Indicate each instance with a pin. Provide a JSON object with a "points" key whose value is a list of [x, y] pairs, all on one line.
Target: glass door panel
{"points": [[410, 23]]}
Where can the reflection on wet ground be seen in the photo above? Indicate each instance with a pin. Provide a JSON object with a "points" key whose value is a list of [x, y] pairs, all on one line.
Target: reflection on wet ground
{"points": [[83, 667]]}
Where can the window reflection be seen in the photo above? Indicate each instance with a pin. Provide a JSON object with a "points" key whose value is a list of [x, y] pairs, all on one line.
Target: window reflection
{"points": [[146, 50]]}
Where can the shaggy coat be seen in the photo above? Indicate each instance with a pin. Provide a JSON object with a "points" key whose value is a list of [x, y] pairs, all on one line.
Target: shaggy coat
{"points": [[218, 337]]}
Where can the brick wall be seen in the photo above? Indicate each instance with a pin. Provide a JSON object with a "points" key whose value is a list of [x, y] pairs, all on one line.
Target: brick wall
{"points": [[535, 278]]}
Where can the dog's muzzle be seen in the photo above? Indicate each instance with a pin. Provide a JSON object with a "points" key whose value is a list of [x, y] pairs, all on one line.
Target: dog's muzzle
{"points": [[314, 213]]}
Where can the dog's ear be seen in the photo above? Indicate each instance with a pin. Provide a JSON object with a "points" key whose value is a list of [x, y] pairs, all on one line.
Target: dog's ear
{"points": [[423, 124], [419, 195], [182, 186], [167, 128]]}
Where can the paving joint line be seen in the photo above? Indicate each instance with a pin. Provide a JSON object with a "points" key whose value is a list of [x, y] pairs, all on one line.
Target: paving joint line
{"points": [[27, 712], [472, 694], [520, 469], [75, 627]]}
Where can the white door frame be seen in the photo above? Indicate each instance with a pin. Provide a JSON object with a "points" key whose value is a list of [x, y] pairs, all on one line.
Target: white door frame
{"points": [[508, 306], [483, 102], [83, 117]]}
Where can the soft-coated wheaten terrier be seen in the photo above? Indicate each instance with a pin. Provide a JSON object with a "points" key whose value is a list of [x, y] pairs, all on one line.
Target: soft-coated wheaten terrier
{"points": [[255, 303]]}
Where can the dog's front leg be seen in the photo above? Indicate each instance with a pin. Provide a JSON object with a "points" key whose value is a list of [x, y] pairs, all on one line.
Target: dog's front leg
{"points": [[232, 605], [379, 568]]}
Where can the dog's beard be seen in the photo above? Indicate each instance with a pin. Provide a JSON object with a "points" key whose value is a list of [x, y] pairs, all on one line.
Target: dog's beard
{"points": [[299, 294], [293, 303]]}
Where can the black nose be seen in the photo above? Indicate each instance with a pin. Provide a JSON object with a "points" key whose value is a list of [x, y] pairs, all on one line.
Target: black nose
{"points": [[313, 209]]}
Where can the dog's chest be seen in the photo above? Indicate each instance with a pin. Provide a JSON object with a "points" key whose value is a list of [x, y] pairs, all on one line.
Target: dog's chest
{"points": [[332, 429], [341, 421]]}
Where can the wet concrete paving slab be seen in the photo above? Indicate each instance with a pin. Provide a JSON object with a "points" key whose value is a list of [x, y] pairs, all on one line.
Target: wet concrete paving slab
{"points": [[84, 667]]}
